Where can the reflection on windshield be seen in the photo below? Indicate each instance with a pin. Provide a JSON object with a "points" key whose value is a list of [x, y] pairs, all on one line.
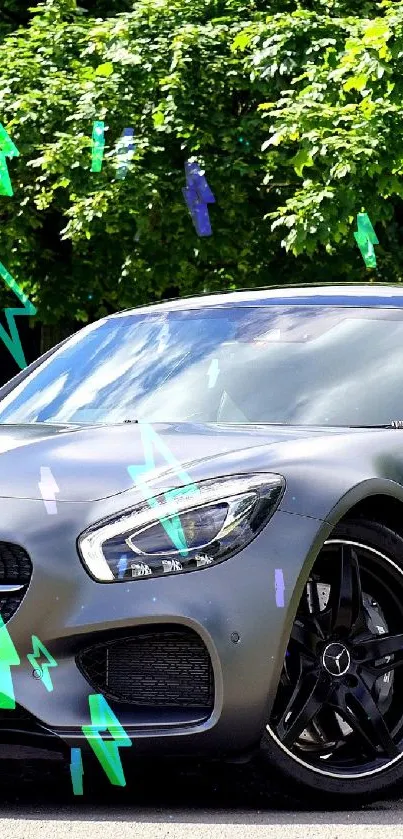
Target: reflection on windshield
{"points": [[297, 364]]}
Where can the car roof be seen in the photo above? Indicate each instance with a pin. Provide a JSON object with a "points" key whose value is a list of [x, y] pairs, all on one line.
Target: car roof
{"points": [[360, 294]]}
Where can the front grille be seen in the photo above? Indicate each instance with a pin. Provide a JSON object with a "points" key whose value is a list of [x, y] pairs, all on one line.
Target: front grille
{"points": [[159, 669], [10, 716], [15, 570]]}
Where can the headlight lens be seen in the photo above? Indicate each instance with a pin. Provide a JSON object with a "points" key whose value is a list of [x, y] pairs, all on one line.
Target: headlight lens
{"points": [[189, 531]]}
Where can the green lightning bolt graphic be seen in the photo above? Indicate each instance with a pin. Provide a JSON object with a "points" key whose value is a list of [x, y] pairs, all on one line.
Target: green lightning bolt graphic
{"points": [[8, 657], [107, 752], [41, 667]]}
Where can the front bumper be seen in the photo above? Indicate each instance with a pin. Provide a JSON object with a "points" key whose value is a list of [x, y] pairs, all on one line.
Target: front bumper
{"points": [[68, 611]]}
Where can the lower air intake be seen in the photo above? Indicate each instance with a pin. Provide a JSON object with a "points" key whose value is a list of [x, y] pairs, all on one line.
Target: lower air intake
{"points": [[15, 574], [163, 669]]}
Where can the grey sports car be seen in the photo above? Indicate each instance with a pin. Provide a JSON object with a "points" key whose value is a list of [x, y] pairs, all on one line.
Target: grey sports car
{"points": [[202, 538]]}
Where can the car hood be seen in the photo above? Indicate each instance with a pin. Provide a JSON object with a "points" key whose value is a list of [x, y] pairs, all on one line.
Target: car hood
{"points": [[89, 463]]}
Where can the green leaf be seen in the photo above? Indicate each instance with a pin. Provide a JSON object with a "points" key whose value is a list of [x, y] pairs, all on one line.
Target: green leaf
{"points": [[356, 82], [376, 29], [302, 158], [104, 69], [241, 41], [158, 118]]}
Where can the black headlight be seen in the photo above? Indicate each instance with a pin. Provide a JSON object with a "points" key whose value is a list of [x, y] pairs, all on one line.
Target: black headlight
{"points": [[184, 532]]}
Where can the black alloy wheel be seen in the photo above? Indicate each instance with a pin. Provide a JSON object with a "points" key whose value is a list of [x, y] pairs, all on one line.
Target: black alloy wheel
{"points": [[337, 722]]}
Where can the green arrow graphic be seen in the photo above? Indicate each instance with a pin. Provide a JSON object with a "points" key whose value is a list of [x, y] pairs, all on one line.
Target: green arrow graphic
{"points": [[98, 143], [366, 238], [8, 657], [7, 149]]}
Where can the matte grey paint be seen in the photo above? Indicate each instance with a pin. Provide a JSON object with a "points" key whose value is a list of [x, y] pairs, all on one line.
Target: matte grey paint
{"points": [[327, 471]]}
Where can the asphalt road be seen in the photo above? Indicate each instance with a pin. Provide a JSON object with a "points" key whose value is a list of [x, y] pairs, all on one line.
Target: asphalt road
{"points": [[192, 803]]}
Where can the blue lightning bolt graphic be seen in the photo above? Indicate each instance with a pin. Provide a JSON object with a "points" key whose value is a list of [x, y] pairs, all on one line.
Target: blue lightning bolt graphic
{"points": [[279, 586], [48, 487], [8, 657], [12, 341], [172, 524], [125, 150], [197, 195], [122, 565], [39, 649], [107, 752], [76, 771]]}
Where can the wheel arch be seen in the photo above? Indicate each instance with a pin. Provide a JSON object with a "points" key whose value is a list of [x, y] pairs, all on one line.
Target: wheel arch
{"points": [[377, 500]]}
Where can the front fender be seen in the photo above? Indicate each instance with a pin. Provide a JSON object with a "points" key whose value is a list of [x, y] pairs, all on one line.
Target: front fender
{"points": [[329, 493]]}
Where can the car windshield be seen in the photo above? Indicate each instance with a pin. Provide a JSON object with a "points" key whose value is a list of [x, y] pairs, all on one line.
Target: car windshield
{"points": [[294, 364]]}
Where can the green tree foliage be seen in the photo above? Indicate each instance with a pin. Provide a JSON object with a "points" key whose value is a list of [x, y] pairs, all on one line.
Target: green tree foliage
{"points": [[293, 110], [335, 139]]}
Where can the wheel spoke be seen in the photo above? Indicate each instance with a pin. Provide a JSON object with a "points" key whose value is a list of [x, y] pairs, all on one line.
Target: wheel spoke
{"points": [[338, 703], [313, 598], [367, 721], [345, 601], [333, 706], [309, 696], [305, 637], [381, 646], [380, 669]]}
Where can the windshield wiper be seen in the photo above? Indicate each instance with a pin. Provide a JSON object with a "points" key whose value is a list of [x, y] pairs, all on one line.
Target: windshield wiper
{"points": [[393, 424]]}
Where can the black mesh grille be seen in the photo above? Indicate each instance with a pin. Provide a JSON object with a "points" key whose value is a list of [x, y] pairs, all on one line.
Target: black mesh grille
{"points": [[15, 569], [162, 669]]}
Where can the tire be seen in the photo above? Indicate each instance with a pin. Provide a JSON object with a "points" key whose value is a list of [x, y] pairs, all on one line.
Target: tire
{"points": [[363, 776]]}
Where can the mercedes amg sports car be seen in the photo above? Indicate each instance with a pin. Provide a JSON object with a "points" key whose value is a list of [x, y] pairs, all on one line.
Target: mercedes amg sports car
{"points": [[201, 537]]}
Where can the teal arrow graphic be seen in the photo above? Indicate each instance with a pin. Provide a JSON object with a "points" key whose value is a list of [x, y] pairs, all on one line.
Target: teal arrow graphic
{"points": [[76, 771]]}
